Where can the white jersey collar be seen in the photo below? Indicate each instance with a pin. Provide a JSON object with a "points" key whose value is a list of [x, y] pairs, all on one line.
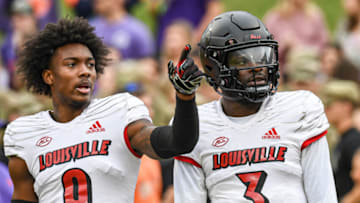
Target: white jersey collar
{"points": [[243, 123]]}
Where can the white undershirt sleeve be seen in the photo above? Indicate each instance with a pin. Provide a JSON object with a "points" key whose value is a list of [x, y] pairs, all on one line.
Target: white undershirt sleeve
{"points": [[317, 172], [189, 183]]}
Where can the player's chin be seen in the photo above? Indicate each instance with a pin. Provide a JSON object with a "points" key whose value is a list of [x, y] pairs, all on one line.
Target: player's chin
{"points": [[81, 100]]}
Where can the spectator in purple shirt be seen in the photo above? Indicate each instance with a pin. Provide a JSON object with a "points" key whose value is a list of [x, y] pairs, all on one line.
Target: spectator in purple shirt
{"points": [[197, 12], [46, 11], [122, 31], [23, 25], [4, 18]]}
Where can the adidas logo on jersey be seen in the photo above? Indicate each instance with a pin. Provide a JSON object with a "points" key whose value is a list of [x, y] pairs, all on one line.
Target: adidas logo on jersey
{"points": [[271, 134], [96, 127]]}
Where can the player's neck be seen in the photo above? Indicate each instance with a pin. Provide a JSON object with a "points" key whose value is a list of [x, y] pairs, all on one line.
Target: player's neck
{"points": [[66, 113], [239, 109]]}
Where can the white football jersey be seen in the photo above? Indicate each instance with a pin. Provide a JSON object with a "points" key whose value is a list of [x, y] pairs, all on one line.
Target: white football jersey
{"points": [[258, 158], [88, 159]]}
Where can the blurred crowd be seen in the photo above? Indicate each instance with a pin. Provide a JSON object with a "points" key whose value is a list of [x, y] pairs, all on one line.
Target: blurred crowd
{"points": [[144, 35]]}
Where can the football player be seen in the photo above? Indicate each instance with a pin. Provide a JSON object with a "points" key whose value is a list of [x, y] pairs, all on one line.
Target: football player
{"points": [[255, 145], [88, 150]]}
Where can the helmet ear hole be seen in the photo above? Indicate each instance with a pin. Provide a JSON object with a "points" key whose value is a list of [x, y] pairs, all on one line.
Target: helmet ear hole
{"points": [[230, 42]]}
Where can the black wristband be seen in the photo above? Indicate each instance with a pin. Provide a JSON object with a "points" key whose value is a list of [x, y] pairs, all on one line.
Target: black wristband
{"points": [[182, 136]]}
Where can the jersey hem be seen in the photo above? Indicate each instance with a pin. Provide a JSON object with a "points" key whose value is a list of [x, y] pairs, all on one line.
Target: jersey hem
{"points": [[188, 160], [312, 139], [127, 141]]}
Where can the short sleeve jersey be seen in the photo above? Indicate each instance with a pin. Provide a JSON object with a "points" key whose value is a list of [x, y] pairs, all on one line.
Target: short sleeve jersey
{"points": [[88, 159], [259, 159]]}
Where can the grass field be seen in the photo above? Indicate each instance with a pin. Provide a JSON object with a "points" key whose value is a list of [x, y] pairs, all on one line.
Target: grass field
{"points": [[332, 9]]}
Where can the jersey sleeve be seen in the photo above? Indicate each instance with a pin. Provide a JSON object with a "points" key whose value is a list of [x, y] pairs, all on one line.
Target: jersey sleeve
{"points": [[189, 183], [314, 123], [136, 109], [318, 177], [14, 144]]}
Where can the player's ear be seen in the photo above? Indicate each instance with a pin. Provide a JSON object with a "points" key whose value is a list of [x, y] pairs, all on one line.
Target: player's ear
{"points": [[48, 76]]}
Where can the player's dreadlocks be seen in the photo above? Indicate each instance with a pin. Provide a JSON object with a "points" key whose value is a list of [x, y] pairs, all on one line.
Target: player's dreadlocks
{"points": [[37, 52]]}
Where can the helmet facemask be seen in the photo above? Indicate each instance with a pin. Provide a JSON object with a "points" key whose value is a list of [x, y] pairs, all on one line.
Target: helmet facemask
{"points": [[261, 80]]}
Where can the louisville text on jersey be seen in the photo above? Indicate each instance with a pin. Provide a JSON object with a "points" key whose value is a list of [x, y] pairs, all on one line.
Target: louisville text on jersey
{"points": [[248, 156], [74, 152]]}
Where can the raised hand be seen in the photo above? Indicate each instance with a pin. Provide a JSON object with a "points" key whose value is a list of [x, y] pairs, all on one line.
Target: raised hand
{"points": [[185, 76]]}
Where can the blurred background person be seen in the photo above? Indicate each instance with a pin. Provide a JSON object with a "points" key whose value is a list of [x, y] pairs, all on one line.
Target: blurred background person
{"points": [[354, 195], [303, 70], [4, 18], [334, 65], [15, 101], [23, 25], [129, 36], [341, 97], [348, 31], [176, 35], [106, 84], [330, 56], [85, 8], [345, 70], [196, 12], [46, 11], [292, 22]]}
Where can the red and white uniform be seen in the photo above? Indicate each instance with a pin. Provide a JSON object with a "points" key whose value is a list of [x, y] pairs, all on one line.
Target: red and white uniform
{"points": [[279, 154], [87, 159]]}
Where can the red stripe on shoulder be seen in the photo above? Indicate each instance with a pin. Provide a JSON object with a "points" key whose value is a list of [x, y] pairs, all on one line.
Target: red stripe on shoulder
{"points": [[312, 139], [127, 141], [188, 160]]}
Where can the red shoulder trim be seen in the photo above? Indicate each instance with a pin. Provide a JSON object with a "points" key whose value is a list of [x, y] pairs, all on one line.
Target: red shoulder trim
{"points": [[127, 141], [312, 139], [188, 160]]}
